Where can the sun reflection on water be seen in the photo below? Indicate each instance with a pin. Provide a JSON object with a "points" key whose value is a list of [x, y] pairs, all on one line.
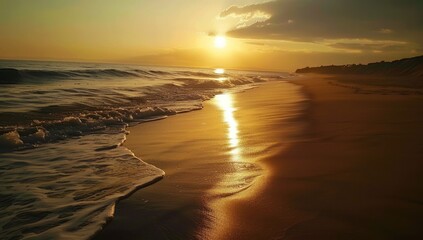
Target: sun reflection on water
{"points": [[225, 103], [219, 71]]}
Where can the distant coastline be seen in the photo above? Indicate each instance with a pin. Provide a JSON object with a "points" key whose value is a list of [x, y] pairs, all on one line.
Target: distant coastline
{"points": [[407, 67]]}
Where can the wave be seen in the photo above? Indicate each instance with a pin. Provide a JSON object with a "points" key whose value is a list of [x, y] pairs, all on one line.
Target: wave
{"points": [[15, 76], [104, 109], [67, 190], [39, 132], [9, 76], [63, 165]]}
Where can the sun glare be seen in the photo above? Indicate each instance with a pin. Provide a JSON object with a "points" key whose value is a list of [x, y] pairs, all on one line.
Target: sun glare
{"points": [[219, 71], [220, 42]]}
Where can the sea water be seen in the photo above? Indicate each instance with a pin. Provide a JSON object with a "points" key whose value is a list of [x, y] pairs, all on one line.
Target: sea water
{"points": [[62, 125]]}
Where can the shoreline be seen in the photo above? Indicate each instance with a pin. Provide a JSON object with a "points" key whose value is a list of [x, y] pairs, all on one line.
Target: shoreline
{"points": [[211, 163], [356, 175], [353, 174]]}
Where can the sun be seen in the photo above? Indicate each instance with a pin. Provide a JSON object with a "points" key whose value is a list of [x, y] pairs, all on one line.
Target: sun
{"points": [[219, 42]]}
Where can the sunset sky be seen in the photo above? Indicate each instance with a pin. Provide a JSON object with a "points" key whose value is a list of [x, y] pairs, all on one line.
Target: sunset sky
{"points": [[276, 35]]}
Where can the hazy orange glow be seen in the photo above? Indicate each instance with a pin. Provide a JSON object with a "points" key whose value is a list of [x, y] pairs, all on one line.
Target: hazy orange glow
{"points": [[185, 33]]}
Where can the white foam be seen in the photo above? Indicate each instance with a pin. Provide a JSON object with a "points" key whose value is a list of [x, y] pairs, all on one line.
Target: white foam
{"points": [[67, 190], [10, 140]]}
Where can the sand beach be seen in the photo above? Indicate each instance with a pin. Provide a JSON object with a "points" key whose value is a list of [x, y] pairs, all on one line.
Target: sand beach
{"points": [[346, 168]]}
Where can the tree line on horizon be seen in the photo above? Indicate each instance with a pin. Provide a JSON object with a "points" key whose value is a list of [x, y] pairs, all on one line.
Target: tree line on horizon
{"points": [[412, 67]]}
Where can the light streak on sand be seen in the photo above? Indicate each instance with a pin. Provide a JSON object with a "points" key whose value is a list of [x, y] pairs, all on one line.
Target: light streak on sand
{"points": [[225, 103]]}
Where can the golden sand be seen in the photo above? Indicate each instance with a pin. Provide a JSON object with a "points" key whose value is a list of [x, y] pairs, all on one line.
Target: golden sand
{"points": [[349, 167]]}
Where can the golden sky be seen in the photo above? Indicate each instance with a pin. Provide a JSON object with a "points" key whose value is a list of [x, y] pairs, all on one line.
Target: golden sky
{"points": [[265, 35]]}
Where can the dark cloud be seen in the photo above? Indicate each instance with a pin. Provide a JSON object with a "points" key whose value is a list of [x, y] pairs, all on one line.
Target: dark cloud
{"points": [[315, 20]]}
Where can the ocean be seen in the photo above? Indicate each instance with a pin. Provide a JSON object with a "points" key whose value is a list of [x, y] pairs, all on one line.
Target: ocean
{"points": [[62, 125]]}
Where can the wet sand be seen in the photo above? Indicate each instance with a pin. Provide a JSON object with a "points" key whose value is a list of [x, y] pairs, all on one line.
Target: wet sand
{"points": [[172, 208], [349, 167], [209, 156], [356, 176]]}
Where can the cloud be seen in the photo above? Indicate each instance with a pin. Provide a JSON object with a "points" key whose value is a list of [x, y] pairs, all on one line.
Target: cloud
{"points": [[246, 18], [386, 30], [314, 21]]}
